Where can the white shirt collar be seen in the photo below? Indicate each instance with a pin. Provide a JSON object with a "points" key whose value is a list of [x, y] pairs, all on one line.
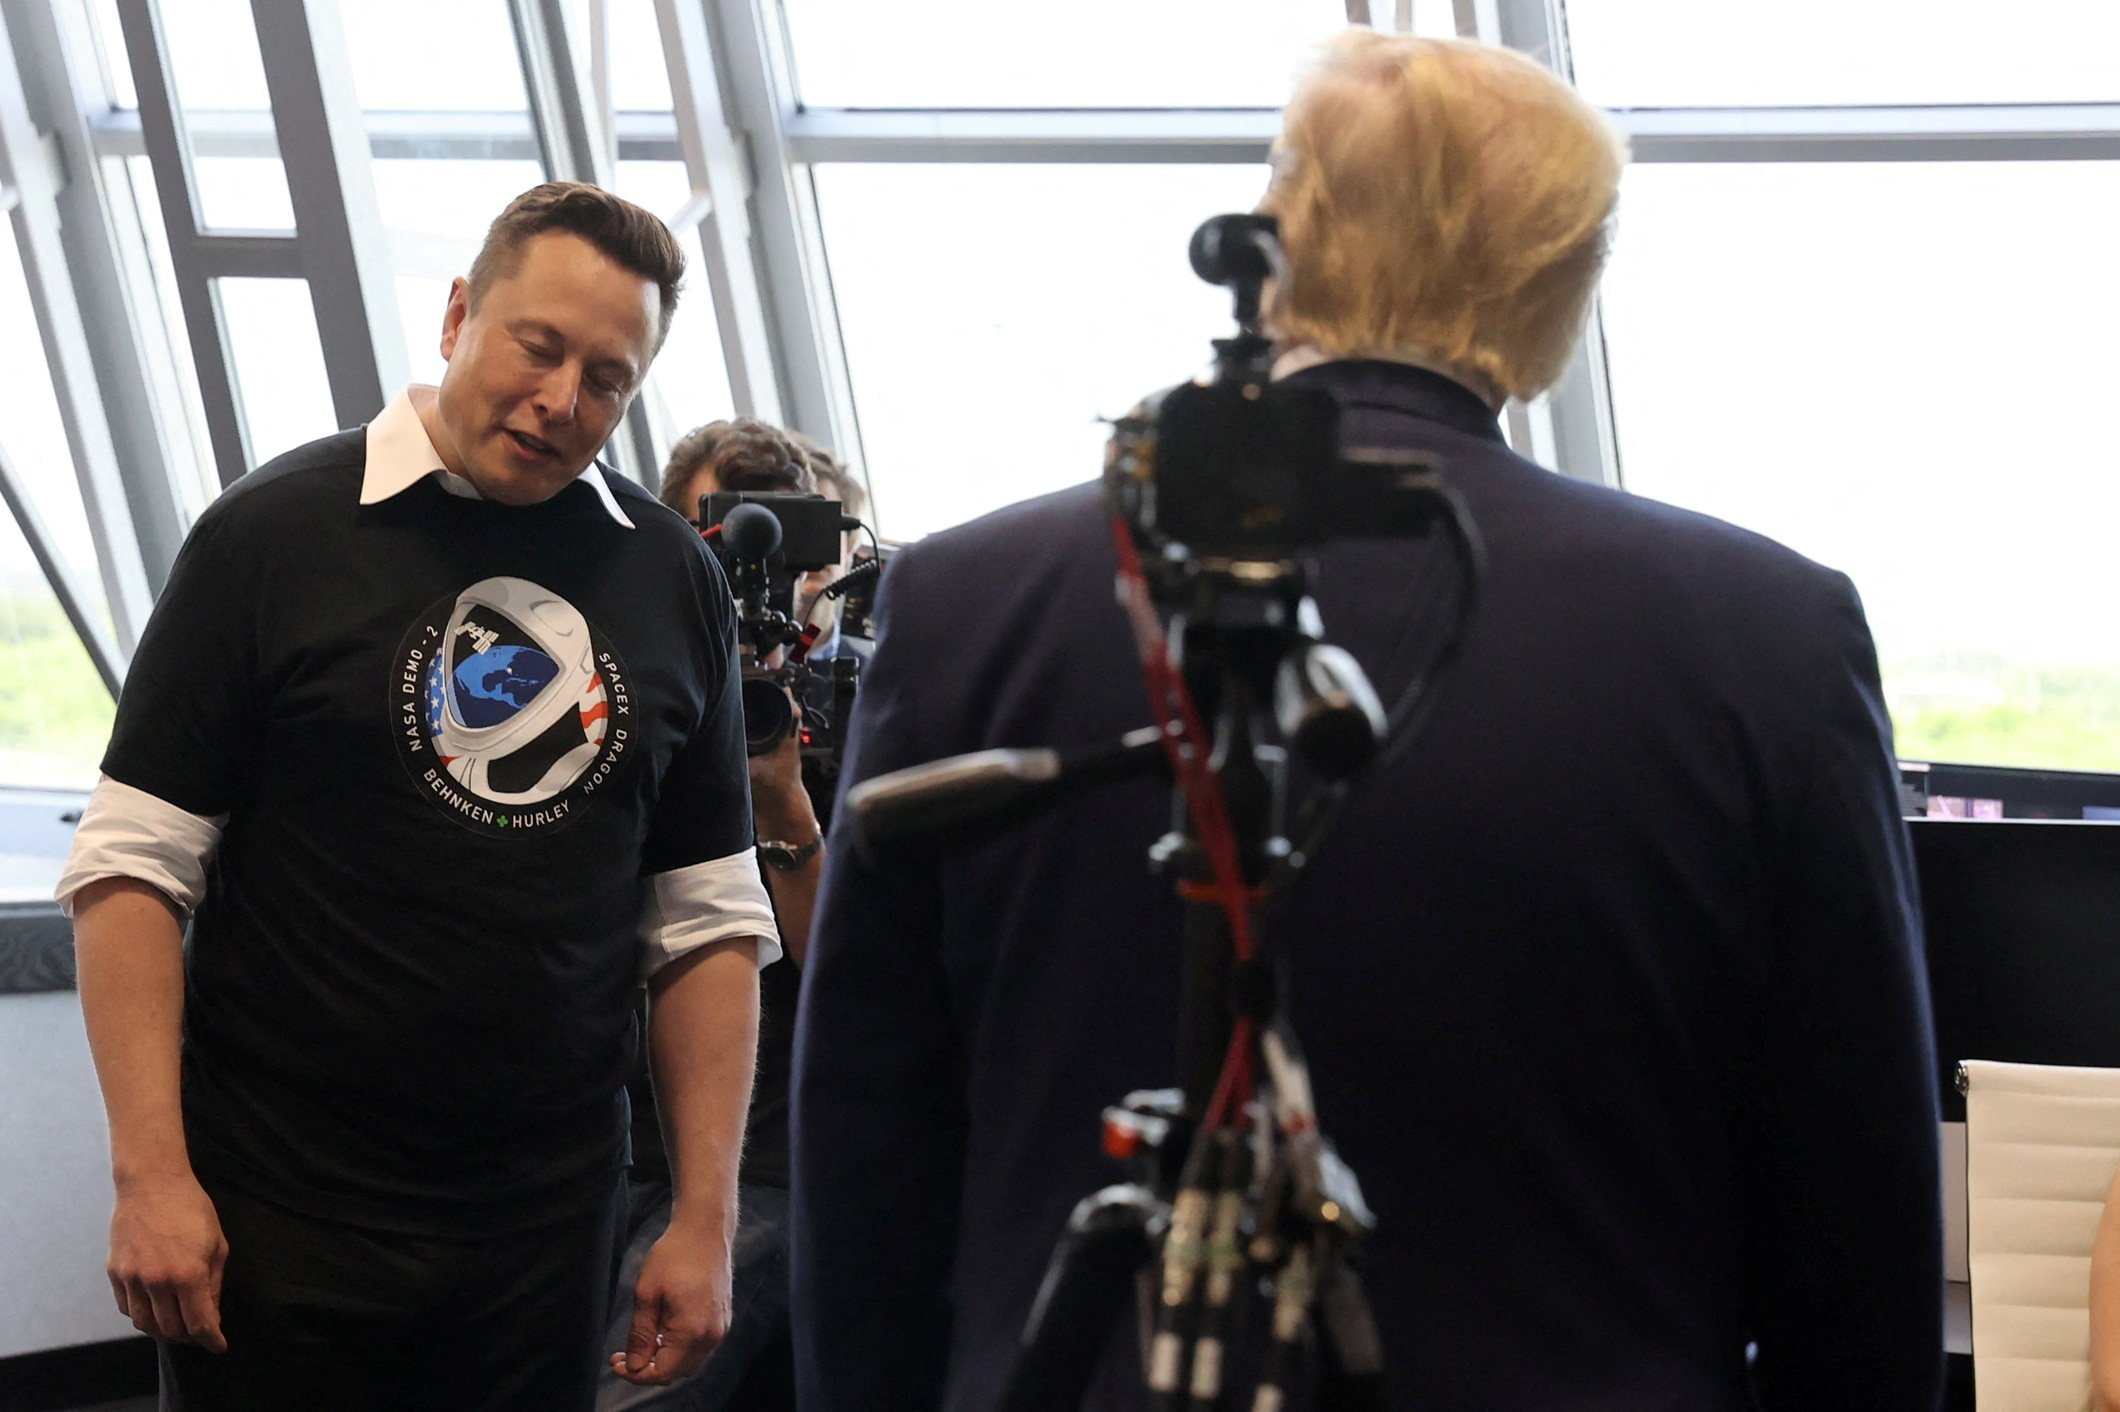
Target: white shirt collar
{"points": [[400, 455], [1309, 355]]}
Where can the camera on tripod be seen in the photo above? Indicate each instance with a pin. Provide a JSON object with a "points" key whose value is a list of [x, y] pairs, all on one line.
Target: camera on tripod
{"points": [[1221, 492], [766, 541]]}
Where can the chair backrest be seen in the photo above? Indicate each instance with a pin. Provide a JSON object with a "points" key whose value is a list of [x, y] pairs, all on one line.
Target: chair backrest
{"points": [[2042, 1144]]}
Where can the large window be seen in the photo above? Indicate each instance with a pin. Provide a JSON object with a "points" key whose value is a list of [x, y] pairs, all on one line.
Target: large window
{"points": [[1879, 365], [993, 316], [1857, 303], [1693, 53], [55, 712], [1092, 54]]}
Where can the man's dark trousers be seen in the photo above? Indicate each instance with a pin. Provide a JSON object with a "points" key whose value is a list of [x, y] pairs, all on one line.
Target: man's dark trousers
{"points": [[321, 1316]]}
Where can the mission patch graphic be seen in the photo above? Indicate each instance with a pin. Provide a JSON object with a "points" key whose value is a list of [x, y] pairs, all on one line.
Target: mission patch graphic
{"points": [[509, 709]]}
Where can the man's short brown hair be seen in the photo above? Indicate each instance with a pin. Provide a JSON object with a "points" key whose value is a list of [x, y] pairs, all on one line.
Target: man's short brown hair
{"points": [[631, 237], [743, 454], [832, 478]]}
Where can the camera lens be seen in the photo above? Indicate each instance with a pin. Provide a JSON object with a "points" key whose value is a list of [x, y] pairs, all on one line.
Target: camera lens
{"points": [[767, 716]]}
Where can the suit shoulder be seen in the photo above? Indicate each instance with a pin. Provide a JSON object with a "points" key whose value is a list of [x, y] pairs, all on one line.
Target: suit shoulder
{"points": [[1016, 539], [1639, 538]]}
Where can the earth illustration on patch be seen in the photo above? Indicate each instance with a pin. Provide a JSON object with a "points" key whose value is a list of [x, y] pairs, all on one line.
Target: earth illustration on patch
{"points": [[497, 683]]}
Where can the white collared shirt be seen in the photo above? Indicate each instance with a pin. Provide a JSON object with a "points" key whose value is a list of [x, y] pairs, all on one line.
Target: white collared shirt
{"points": [[128, 832], [401, 454]]}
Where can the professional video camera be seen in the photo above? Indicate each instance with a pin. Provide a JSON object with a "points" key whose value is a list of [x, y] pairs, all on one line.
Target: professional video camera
{"points": [[766, 542], [1220, 492]]}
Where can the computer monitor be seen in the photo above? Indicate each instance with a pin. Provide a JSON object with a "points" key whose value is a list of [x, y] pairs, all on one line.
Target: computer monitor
{"points": [[2023, 926]]}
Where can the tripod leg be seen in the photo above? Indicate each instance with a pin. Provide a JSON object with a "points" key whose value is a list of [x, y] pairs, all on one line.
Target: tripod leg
{"points": [[1350, 1353], [1087, 1286]]}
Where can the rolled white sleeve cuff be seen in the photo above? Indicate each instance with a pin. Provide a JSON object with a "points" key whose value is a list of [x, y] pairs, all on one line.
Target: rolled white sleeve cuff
{"points": [[707, 904], [129, 833]]}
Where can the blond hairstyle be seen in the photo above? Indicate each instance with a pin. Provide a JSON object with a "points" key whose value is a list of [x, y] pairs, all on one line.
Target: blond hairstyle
{"points": [[1442, 198]]}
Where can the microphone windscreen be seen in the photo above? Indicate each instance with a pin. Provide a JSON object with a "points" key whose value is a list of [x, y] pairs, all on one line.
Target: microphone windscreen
{"points": [[750, 531]]}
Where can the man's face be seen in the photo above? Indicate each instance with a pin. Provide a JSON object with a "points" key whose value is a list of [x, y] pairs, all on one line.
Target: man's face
{"points": [[541, 371]]}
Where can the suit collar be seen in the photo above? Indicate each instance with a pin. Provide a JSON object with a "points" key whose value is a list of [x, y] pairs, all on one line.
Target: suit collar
{"points": [[1391, 386]]}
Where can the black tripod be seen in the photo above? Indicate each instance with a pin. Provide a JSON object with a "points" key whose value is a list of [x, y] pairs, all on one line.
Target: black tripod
{"points": [[1218, 491]]}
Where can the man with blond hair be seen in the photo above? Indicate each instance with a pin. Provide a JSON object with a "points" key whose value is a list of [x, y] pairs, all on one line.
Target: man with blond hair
{"points": [[1611, 983]]}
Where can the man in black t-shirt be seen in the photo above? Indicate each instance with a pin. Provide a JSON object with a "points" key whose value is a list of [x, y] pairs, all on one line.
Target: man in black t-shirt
{"points": [[442, 765]]}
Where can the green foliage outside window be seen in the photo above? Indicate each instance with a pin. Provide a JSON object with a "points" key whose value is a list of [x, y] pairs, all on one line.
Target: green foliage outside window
{"points": [[55, 715], [1983, 711]]}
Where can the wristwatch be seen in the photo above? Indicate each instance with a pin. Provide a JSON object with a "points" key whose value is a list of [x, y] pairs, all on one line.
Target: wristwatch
{"points": [[787, 857]]}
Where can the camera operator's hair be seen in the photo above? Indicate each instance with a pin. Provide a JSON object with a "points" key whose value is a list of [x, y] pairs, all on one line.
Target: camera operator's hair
{"points": [[832, 478], [1443, 198], [632, 238], [743, 454]]}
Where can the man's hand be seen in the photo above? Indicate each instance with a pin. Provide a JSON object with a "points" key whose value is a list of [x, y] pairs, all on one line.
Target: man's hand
{"points": [[166, 1259], [777, 796], [681, 1307]]}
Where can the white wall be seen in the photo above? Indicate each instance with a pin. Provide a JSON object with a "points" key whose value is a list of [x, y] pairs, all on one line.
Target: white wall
{"points": [[55, 1192]]}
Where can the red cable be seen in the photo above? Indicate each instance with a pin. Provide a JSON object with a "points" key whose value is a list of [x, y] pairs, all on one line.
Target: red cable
{"points": [[1174, 707]]}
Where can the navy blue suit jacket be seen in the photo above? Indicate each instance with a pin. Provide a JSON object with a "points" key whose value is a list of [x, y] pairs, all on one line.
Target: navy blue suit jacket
{"points": [[1612, 985]]}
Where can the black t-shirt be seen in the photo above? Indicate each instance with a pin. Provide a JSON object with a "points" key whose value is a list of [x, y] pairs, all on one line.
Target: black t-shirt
{"points": [[451, 737]]}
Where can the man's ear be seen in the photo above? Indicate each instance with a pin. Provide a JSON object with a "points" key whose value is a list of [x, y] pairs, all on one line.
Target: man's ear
{"points": [[453, 317]]}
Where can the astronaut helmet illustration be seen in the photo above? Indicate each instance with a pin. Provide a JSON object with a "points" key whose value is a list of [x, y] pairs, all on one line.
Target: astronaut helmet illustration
{"points": [[515, 705]]}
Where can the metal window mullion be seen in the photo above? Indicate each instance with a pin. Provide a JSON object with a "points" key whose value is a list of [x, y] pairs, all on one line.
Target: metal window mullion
{"points": [[573, 138], [345, 256], [1235, 135], [721, 206], [168, 152], [44, 250], [1994, 132], [63, 87], [65, 586], [815, 394]]}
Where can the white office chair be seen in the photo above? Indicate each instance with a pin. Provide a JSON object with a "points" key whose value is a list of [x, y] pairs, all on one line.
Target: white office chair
{"points": [[2042, 1143]]}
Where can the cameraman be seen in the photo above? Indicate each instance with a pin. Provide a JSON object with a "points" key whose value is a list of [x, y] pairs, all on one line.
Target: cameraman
{"points": [[834, 483], [1612, 982], [752, 1370]]}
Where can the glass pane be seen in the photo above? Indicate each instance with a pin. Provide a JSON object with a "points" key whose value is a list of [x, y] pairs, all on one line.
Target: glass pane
{"points": [[161, 317], [1089, 54], [1893, 368], [453, 199], [984, 347], [243, 193], [213, 54], [279, 361], [110, 49], [419, 55], [422, 301], [55, 713], [1683, 53], [640, 80], [34, 436], [690, 381]]}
